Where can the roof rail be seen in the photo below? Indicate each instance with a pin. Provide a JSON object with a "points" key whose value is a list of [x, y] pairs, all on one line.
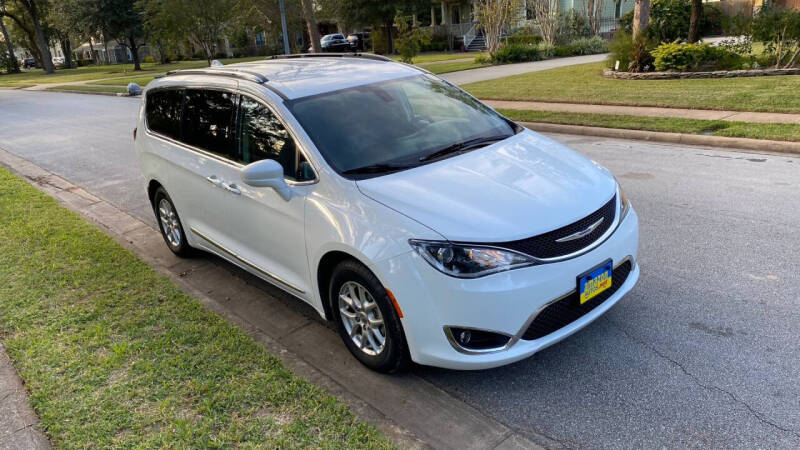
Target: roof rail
{"points": [[333, 55], [230, 72]]}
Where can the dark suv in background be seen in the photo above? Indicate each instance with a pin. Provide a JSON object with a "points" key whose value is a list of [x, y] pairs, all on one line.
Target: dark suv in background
{"points": [[358, 41], [334, 43]]}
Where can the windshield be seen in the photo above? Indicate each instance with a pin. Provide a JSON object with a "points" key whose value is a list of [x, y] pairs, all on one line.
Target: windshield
{"points": [[396, 124]]}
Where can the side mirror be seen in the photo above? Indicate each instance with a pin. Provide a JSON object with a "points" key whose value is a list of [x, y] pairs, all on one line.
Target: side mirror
{"points": [[267, 173]]}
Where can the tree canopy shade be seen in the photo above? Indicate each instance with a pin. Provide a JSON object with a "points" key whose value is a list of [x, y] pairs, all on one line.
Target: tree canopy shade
{"points": [[120, 19], [28, 15], [203, 22]]}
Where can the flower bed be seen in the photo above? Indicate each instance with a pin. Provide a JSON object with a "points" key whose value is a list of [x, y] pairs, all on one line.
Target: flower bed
{"points": [[608, 73]]}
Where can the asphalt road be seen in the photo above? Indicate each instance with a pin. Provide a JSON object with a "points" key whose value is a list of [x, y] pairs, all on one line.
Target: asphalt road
{"points": [[705, 352]]}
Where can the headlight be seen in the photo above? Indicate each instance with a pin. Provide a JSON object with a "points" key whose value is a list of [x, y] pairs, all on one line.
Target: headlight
{"points": [[467, 261], [625, 204]]}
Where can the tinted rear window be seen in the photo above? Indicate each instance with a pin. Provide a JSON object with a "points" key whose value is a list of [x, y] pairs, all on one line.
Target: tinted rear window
{"points": [[208, 121], [163, 112]]}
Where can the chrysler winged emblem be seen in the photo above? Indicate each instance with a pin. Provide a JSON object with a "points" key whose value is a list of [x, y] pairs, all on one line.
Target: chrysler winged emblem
{"points": [[583, 233]]}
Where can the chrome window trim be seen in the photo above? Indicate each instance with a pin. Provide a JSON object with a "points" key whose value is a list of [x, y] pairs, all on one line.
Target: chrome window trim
{"points": [[230, 162], [246, 262], [518, 336]]}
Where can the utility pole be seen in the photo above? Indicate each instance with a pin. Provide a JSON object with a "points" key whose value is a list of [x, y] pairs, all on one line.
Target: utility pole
{"points": [[286, 49]]}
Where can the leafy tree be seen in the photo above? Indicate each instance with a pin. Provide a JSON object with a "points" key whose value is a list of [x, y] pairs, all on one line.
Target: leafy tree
{"points": [[494, 17], [120, 19], [779, 29], [409, 39], [9, 62], [28, 15], [378, 13], [546, 17]]}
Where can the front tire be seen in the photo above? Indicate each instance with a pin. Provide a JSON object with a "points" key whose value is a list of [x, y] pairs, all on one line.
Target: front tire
{"points": [[366, 319], [170, 224]]}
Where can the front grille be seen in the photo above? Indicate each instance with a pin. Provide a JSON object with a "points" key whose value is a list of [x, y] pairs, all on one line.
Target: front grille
{"points": [[545, 245], [567, 310]]}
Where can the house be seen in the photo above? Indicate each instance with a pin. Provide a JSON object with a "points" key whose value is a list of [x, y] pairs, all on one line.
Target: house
{"points": [[457, 18]]}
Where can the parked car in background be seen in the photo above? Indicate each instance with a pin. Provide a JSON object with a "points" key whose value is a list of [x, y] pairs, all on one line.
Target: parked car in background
{"points": [[29, 63], [424, 224], [334, 43], [58, 60], [358, 41]]}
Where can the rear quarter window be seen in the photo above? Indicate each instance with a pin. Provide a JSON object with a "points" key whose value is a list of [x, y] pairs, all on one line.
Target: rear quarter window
{"points": [[163, 112]]}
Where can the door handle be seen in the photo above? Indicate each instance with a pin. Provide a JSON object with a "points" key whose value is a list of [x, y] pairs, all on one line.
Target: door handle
{"points": [[213, 180], [232, 188]]}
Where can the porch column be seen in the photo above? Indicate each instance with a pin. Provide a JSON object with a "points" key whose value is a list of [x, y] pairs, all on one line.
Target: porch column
{"points": [[414, 21], [444, 14]]}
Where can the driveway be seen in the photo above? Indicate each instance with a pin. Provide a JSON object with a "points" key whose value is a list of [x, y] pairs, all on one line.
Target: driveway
{"points": [[703, 353]]}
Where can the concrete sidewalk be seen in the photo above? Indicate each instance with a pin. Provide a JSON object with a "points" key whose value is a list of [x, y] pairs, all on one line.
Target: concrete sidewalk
{"points": [[649, 111], [507, 70], [17, 420]]}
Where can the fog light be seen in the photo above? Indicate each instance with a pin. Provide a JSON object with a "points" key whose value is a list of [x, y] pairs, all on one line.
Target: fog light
{"points": [[464, 337], [472, 339]]}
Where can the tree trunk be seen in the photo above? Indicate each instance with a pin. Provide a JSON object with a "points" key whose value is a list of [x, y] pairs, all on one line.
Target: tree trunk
{"points": [[311, 22], [694, 21], [66, 49], [41, 41], [641, 17], [91, 51], [105, 47], [162, 52], [389, 41], [135, 52], [14, 63]]}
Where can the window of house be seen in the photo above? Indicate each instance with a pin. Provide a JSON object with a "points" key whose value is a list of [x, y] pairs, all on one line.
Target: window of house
{"points": [[208, 121], [163, 112], [263, 136]]}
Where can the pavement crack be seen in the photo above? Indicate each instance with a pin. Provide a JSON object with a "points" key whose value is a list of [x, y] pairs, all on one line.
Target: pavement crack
{"points": [[697, 381]]}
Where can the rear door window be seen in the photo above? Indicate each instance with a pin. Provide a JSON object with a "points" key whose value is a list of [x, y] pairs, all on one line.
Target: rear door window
{"points": [[209, 119], [163, 112]]}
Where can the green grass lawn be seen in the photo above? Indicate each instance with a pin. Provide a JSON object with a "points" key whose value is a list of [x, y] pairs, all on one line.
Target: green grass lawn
{"points": [[585, 84], [141, 81], [780, 132], [81, 88], [88, 73], [451, 67], [428, 57], [113, 354]]}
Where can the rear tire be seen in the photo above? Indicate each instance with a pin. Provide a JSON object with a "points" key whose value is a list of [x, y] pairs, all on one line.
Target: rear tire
{"points": [[170, 224], [366, 318]]}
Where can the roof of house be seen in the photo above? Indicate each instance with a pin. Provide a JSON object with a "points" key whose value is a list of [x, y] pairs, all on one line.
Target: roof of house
{"points": [[295, 77]]}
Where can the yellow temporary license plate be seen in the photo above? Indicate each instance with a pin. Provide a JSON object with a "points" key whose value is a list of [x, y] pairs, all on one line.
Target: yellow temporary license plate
{"points": [[595, 281]]}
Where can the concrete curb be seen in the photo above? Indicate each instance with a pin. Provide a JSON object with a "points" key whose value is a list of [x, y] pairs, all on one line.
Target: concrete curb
{"points": [[18, 422], [673, 138], [410, 411], [70, 91]]}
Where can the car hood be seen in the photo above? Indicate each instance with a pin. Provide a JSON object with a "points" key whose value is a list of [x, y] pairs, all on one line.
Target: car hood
{"points": [[523, 186]]}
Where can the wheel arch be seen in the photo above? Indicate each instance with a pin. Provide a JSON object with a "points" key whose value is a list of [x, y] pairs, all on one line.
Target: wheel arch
{"points": [[325, 267]]}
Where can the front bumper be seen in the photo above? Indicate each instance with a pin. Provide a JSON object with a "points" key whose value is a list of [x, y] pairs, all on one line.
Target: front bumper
{"points": [[503, 303]]}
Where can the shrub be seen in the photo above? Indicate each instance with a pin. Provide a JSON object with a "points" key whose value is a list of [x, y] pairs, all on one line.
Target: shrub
{"points": [[572, 26], [641, 58], [410, 40], [523, 39], [669, 20], [588, 46], [711, 22], [517, 53], [689, 57], [779, 29], [440, 41], [621, 48], [6, 63], [148, 59]]}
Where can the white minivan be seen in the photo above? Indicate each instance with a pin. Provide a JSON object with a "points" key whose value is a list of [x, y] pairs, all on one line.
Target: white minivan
{"points": [[426, 225]]}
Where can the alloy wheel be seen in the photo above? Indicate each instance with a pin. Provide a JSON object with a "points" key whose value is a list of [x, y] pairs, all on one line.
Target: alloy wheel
{"points": [[169, 222], [362, 318]]}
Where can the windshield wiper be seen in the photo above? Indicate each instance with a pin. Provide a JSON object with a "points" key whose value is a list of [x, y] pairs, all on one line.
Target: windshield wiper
{"points": [[378, 168], [462, 146]]}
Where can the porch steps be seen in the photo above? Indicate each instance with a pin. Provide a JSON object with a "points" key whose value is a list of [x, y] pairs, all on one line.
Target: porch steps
{"points": [[478, 44]]}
